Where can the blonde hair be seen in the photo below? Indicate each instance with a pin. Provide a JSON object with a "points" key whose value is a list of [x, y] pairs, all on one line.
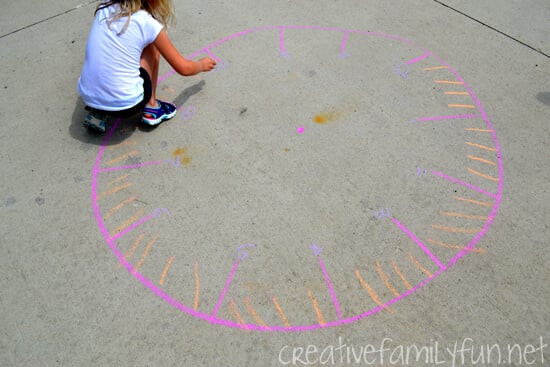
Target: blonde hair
{"points": [[161, 10]]}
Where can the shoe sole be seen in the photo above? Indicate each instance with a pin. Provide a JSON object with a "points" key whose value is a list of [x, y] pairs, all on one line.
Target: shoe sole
{"points": [[159, 120], [94, 124]]}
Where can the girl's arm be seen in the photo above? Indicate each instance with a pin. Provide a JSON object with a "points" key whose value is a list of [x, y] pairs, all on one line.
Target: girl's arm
{"points": [[180, 64]]}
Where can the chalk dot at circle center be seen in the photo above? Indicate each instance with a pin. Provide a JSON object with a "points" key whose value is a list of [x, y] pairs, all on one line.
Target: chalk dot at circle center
{"points": [[300, 130]]}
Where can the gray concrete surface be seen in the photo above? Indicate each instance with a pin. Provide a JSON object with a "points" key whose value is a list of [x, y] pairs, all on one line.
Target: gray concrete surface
{"points": [[287, 206]]}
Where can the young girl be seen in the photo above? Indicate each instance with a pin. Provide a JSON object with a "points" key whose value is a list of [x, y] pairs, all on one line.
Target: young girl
{"points": [[120, 71]]}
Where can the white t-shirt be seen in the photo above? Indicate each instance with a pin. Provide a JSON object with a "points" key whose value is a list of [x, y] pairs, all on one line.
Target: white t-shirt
{"points": [[110, 78]]}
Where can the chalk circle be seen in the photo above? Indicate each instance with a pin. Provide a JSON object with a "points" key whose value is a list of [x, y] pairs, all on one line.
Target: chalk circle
{"points": [[363, 229]]}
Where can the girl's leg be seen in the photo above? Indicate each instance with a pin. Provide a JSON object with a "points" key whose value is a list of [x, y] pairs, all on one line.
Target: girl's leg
{"points": [[150, 61]]}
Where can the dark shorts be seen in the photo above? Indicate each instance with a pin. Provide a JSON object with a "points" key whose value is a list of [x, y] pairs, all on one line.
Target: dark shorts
{"points": [[147, 93]]}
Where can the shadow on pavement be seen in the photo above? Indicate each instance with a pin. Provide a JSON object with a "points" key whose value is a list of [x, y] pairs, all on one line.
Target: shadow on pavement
{"points": [[544, 97], [125, 127]]}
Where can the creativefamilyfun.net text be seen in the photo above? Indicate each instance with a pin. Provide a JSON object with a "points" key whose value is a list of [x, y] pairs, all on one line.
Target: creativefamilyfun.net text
{"points": [[460, 353]]}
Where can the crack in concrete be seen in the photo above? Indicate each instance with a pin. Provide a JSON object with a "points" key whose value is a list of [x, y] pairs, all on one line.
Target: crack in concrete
{"points": [[492, 28], [49, 18]]}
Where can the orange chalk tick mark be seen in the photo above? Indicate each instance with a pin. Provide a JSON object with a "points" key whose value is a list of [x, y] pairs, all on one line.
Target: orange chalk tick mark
{"points": [[326, 117], [179, 151], [185, 160], [320, 119]]}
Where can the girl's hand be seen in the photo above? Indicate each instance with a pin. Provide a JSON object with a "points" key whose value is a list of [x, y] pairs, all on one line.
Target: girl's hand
{"points": [[207, 64], [182, 65]]}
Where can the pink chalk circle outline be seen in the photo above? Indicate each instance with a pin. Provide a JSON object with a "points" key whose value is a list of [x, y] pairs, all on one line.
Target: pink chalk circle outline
{"points": [[211, 317]]}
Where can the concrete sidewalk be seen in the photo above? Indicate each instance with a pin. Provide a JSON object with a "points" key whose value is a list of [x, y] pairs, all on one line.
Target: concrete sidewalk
{"points": [[354, 177]]}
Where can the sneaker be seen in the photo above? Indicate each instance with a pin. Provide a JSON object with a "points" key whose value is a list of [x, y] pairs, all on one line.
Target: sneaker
{"points": [[95, 121], [154, 116]]}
